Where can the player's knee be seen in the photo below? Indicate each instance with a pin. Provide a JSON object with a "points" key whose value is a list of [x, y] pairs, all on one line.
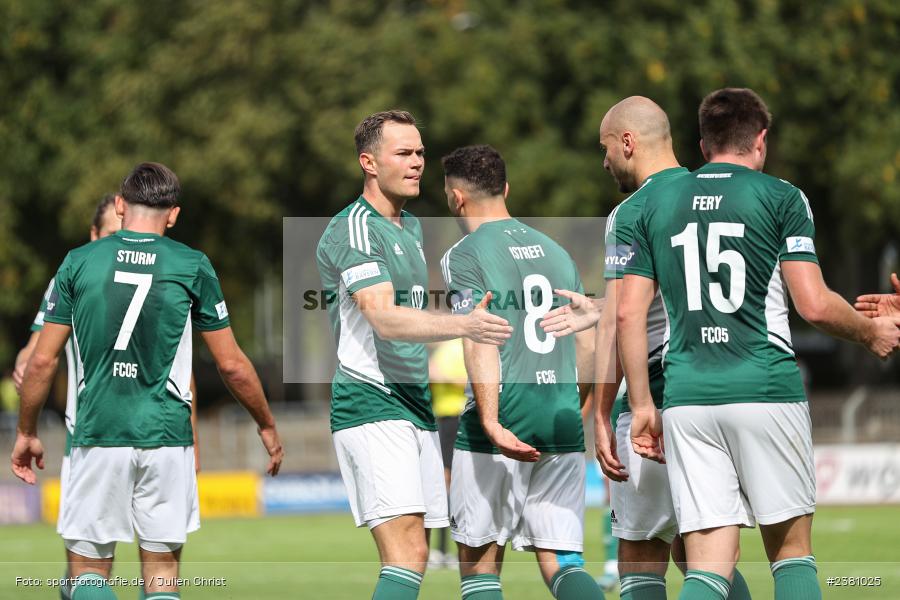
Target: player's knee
{"points": [[161, 549], [91, 550]]}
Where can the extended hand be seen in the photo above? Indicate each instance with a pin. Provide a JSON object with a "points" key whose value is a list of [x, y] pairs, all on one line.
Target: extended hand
{"points": [[485, 328], [579, 314], [26, 449], [881, 305], [509, 445]]}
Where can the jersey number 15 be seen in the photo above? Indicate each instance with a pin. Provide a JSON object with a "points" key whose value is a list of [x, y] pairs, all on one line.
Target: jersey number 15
{"points": [[714, 259]]}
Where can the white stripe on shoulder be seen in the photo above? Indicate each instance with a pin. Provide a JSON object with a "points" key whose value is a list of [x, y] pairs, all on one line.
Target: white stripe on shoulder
{"points": [[365, 228], [353, 210], [445, 262]]}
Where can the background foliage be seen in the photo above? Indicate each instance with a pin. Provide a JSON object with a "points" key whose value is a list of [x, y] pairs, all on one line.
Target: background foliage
{"points": [[253, 104]]}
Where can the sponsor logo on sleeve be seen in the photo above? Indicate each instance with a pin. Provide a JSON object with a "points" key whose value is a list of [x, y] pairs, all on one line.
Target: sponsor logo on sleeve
{"points": [[462, 302], [618, 257], [221, 310], [360, 272], [800, 244]]}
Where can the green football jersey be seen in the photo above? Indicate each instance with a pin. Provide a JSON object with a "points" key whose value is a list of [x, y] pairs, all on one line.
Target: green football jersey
{"points": [[130, 299], [619, 240], [376, 379], [73, 376], [521, 266], [714, 241]]}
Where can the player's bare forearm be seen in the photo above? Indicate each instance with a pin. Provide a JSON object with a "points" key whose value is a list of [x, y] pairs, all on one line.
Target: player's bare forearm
{"points": [[39, 375], [607, 367], [829, 312], [35, 387], [239, 375], [22, 359], [483, 365], [631, 320], [392, 322], [584, 359]]}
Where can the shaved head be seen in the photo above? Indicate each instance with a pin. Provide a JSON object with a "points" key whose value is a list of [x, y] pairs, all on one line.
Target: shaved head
{"points": [[640, 115], [636, 138]]}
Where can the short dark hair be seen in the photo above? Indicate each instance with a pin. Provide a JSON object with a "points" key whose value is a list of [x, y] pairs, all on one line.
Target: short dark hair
{"points": [[731, 118], [153, 185], [480, 166], [368, 132], [97, 221]]}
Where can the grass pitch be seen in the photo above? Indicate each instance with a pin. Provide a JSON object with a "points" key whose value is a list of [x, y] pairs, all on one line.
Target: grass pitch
{"points": [[325, 557]]}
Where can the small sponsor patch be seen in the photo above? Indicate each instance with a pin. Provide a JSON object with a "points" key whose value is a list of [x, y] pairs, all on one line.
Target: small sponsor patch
{"points": [[462, 302], [713, 175], [800, 244], [360, 272], [617, 257], [221, 310]]}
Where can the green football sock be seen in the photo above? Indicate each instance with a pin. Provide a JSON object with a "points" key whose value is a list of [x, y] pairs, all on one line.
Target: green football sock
{"points": [[481, 587], [396, 583], [163, 596], [92, 586], [574, 583], [642, 586], [703, 585], [739, 589], [795, 579]]}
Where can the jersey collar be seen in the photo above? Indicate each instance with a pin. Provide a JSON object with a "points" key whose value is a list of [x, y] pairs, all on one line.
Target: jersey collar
{"points": [[718, 167], [665, 173], [129, 235]]}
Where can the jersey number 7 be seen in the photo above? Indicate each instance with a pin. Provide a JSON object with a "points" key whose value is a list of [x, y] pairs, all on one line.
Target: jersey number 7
{"points": [[143, 281]]}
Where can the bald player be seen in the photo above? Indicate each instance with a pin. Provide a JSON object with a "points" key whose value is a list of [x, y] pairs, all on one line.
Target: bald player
{"points": [[637, 142]]}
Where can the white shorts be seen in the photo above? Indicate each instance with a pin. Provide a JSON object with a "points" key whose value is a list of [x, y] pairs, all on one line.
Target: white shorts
{"points": [[392, 468], [113, 494], [531, 505], [63, 477], [642, 506], [738, 464]]}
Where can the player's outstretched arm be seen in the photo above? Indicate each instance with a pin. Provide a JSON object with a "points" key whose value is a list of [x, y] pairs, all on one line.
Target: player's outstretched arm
{"points": [[22, 360], [393, 322], [826, 310], [242, 381], [608, 375], [646, 430], [580, 314], [881, 305], [483, 366], [33, 392]]}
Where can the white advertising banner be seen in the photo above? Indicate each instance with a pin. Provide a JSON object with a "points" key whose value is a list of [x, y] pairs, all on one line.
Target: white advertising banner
{"points": [[858, 473]]}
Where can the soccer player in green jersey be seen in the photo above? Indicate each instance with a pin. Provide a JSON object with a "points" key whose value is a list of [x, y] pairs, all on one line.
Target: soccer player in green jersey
{"points": [[518, 463], [128, 301], [371, 259], [724, 245], [637, 142]]}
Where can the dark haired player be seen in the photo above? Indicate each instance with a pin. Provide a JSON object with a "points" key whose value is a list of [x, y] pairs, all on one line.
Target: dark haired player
{"points": [[518, 464], [725, 245], [128, 302]]}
